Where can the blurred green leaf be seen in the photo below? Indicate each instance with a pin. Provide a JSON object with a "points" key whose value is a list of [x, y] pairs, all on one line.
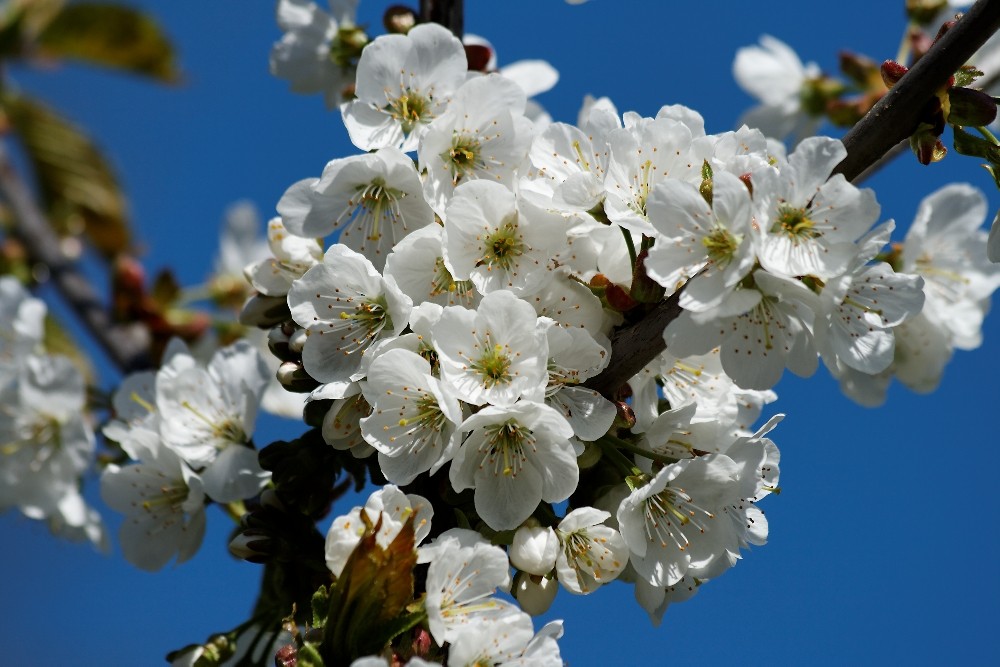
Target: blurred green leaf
{"points": [[111, 36], [77, 187]]}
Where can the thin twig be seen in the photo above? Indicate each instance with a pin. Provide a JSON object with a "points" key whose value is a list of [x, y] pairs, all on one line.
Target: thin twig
{"points": [[127, 346]]}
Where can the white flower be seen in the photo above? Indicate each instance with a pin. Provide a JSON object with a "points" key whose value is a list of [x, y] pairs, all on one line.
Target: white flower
{"points": [[304, 56], [404, 82], [164, 506], [462, 580], [496, 354], [375, 199], [507, 642], [500, 242], [46, 442], [24, 320], [574, 357], [413, 417], [514, 457], [772, 330], [809, 220], [861, 309], [945, 246], [482, 135], [346, 306], [643, 153], [293, 256], [775, 75], [239, 245], [590, 554], [417, 265], [708, 247], [207, 416], [390, 506]]}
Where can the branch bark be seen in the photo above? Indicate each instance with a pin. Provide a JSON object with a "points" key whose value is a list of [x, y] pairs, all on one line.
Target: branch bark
{"points": [[889, 122], [128, 347], [448, 13]]}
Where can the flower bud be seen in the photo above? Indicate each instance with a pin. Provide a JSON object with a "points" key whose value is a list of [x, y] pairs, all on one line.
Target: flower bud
{"points": [[399, 19], [892, 72], [534, 549], [277, 343], [479, 56], [626, 415], [297, 340], [618, 299], [534, 594], [926, 145], [971, 107], [293, 377], [287, 656], [264, 312], [591, 455]]}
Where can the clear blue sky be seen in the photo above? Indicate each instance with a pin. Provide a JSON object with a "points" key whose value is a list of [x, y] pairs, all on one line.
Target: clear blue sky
{"points": [[883, 543]]}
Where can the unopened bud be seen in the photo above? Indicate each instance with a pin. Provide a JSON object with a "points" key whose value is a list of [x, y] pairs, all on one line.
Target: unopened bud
{"points": [[479, 56], [422, 643], [892, 72], [534, 594], [971, 107], [315, 411], [287, 656], [264, 312], [626, 415], [293, 377], [619, 299], [250, 547], [591, 455], [399, 19], [945, 27], [297, 341], [277, 343], [926, 145], [858, 68]]}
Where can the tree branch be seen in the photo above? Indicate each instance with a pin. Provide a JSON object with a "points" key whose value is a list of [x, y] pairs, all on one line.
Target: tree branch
{"points": [[889, 122], [448, 13], [127, 346], [895, 117]]}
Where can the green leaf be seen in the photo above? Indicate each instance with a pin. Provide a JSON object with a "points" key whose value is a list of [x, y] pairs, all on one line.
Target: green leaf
{"points": [[77, 188], [111, 36], [368, 602]]}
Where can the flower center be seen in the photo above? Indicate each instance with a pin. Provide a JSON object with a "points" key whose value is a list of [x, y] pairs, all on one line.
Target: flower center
{"points": [[506, 445], [443, 282], [503, 246], [464, 157], [376, 205], [720, 245], [493, 366], [794, 222], [410, 109], [667, 512]]}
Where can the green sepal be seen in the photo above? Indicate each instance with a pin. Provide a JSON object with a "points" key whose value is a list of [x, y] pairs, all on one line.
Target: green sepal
{"points": [[320, 605], [969, 144], [966, 75], [308, 656]]}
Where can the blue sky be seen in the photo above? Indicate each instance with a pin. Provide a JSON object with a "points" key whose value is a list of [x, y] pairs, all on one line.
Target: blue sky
{"points": [[883, 541]]}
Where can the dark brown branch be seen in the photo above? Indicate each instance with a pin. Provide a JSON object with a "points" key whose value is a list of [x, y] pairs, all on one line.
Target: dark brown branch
{"points": [[128, 347], [634, 346], [895, 117], [448, 13]]}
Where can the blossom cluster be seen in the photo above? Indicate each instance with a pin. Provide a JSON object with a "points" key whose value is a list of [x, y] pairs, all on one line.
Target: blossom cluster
{"points": [[46, 438], [447, 297]]}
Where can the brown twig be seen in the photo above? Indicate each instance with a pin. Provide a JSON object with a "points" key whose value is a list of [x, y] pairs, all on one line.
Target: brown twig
{"points": [[127, 346]]}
